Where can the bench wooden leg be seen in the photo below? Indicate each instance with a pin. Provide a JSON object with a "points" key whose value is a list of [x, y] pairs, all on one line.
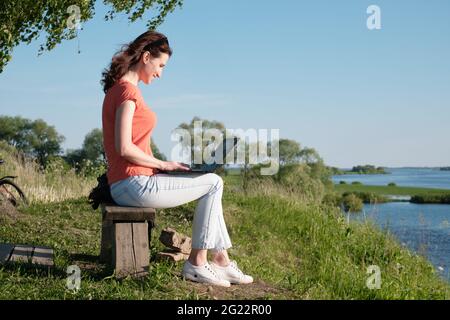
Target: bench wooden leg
{"points": [[130, 249], [107, 241], [125, 239]]}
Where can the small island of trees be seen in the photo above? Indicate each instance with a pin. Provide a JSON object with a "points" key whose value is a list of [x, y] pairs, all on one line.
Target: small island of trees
{"points": [[368, 169], [361, 169]]}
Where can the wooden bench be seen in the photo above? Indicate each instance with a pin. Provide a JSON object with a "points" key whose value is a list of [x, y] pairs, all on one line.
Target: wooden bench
{"points": [[126, 234], [39, 256]]}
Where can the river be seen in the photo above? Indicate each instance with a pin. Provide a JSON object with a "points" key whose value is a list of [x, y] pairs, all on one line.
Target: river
{"points": [[405, 177], [423, 228]]}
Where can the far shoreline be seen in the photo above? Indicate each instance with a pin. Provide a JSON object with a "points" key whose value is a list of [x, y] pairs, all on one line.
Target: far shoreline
{"points": [[417, 195]]}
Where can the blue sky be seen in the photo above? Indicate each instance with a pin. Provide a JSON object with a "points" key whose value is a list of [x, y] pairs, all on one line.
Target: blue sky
{"points": [[309, 68]]}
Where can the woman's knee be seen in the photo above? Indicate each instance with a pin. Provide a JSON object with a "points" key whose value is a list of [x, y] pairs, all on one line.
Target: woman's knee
{"points": [[215, 179]]}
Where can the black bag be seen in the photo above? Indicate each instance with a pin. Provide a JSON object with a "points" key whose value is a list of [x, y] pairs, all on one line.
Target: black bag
{"points": [[101, 193]]}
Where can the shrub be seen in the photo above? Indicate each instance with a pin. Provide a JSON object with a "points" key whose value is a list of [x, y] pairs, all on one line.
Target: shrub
{"points": [[432, 198], [56, 165], [368, 197], [392, 184], [356, 183], [342, 182], [91, 169], [297, 178], [333, 199], [352, 203]]}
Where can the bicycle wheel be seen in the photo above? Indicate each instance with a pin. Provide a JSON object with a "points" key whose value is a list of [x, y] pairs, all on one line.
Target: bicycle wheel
{"points": [[11, 192]]}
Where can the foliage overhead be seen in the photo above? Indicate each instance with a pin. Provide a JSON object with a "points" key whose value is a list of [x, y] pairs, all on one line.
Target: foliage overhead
{"points": [[24, 21]]}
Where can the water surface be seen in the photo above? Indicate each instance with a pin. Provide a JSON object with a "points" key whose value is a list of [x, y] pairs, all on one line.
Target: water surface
{"points": [[405, 177]]}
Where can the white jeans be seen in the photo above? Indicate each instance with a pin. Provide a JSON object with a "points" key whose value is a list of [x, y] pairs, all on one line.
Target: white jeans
{"points": [[166, 191]]}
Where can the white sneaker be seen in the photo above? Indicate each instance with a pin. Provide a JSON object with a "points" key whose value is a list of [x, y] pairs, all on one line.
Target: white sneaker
{"points": [[203, 274], [232, 273]]}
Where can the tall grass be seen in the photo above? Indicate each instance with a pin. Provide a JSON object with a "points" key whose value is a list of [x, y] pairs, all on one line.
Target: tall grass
{"points": [[55, 184], [273, 189]]}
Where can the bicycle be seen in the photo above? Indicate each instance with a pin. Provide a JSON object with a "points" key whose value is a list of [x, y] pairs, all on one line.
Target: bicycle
{"points": [[11, 191]]}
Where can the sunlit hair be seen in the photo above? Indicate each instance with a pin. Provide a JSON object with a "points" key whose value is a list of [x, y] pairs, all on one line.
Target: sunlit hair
{"points": [[152, 41]]}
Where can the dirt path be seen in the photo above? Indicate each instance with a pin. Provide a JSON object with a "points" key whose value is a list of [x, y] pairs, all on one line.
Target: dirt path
{"points": [[259, 290]]}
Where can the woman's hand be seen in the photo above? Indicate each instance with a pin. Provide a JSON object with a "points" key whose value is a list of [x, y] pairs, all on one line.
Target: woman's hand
{"points": [[173, 165]]}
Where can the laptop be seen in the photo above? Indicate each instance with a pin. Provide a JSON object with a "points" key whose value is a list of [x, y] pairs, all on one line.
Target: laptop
{"points": [[227, 145]]}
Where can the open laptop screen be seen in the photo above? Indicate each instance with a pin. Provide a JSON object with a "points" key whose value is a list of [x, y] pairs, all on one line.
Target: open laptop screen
{"points": [[218, 156]]}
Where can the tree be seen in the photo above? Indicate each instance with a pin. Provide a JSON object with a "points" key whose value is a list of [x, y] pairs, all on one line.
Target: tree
{"points": [[14, 131], [45, 141], [196, 129], [310, 156], [74, 157], [368, 169], [92, 152], [93, 147], [34, 138], [25, 20], [156, 153], [289, 151]]}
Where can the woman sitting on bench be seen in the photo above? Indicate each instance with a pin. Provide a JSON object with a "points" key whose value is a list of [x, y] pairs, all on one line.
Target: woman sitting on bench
{"points": [[134, 173]]}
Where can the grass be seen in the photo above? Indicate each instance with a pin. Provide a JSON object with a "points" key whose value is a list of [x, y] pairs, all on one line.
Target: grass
{"points": [[293, 248], [385, 190], [55, 185]]}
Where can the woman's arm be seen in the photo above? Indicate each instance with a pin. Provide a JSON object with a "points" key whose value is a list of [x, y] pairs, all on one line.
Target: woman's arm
{"points": [[128, 150]]}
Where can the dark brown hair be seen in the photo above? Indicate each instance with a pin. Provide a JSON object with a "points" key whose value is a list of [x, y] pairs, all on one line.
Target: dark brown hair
{"points": [[152, 41]]}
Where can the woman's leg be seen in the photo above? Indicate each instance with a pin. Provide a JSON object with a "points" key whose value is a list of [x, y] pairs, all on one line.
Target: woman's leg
{"points": [[220, 258], [209, 230], [198, 257], [165, 191]]}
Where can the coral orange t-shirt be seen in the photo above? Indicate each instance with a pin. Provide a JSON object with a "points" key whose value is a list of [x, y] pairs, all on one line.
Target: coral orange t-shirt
{"points": [[144, 120]]}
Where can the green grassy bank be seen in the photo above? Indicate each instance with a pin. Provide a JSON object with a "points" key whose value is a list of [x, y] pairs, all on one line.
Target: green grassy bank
{"points": [[294, 250], [294, 246]]}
